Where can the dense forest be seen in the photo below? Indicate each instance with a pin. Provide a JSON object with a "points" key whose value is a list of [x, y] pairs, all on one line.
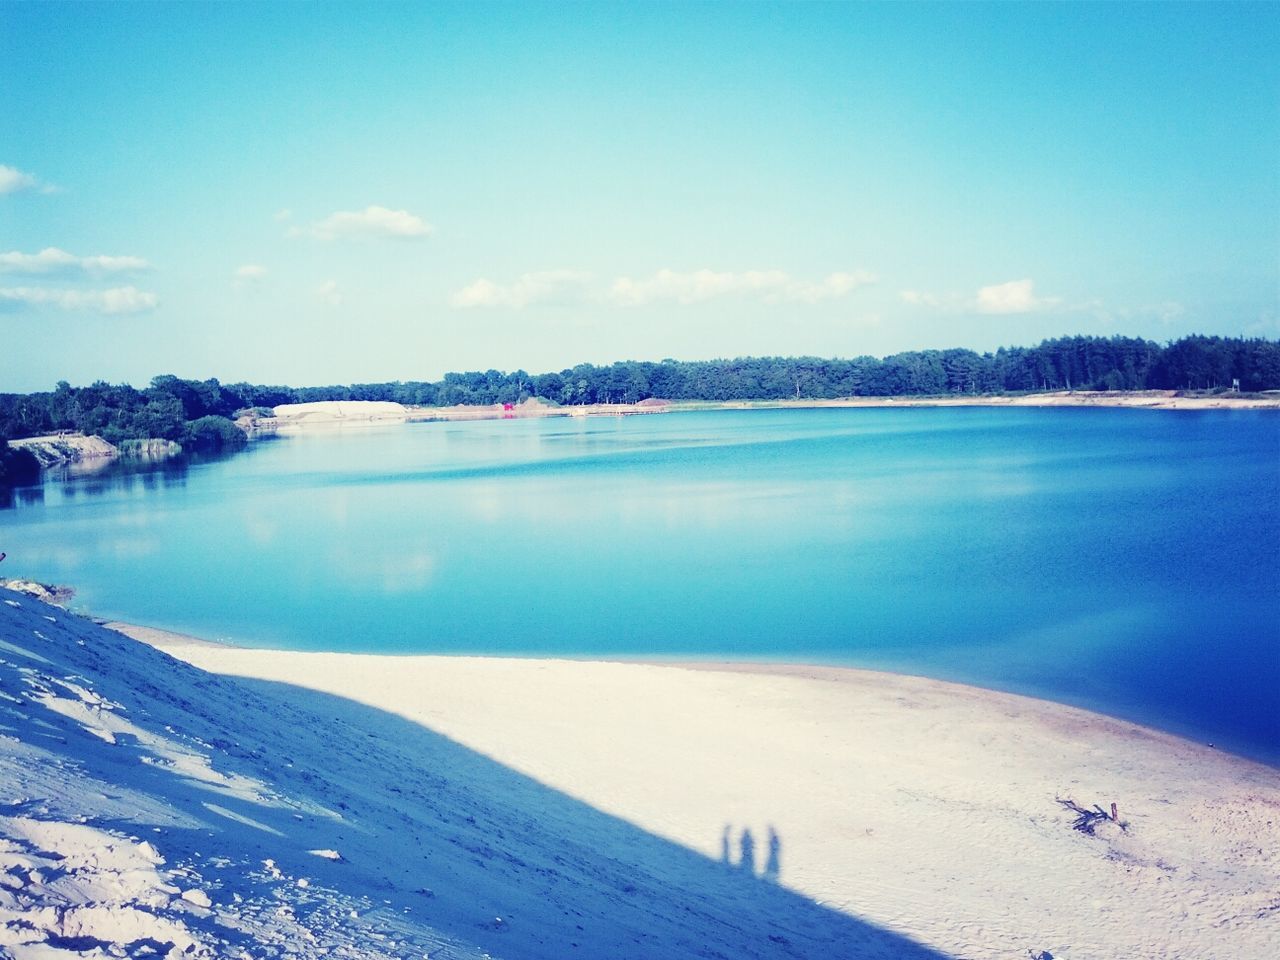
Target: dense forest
{"points": [[198, 413]]}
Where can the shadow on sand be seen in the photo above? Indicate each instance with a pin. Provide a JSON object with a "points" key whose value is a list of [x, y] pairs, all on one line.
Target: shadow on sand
{"points": [[772, 870], [432, 834], [566, 878]]}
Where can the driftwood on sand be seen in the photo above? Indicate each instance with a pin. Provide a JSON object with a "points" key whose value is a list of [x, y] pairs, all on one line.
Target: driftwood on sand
{"points": [[1087, 820]]}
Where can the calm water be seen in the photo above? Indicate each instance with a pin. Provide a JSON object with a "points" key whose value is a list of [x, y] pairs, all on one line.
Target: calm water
{"points": [[1123, 560]]}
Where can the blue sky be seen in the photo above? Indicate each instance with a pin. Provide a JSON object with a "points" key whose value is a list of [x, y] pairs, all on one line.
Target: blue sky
{"points": [[309, 194]]}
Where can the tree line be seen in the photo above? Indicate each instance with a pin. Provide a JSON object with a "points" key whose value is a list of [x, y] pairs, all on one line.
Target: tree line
{"points": [[200, 412]]}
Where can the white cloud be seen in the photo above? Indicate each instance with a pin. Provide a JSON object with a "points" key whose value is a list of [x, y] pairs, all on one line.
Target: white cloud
{"points": [[248, 275], [124, 300], [53, 260], [104, 264], [1166, 311], [482, 293], [529, 288], [665, 286], [114, 300], [12, 180], [329, 292], [698, 286], [1016, 296], [282, 215], [920, 298], [369, 222], [695, 286], [834, 286]]}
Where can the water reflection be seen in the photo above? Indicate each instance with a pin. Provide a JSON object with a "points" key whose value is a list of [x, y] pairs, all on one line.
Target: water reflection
{"points": [[986, 546], [24, 496], [101, 476]]}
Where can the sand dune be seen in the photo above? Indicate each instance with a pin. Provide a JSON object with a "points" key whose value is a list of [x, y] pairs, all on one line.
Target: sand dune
{"points": [[338, 411]]}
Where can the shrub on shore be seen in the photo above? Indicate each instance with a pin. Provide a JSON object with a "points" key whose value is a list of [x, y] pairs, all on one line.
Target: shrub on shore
{"points": [[214, 432]]}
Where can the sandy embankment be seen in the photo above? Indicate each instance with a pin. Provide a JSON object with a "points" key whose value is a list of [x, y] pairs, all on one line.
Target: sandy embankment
{"points": [[336, 412], [925, 808], [355, 412], [1137, 399], [67, 448]]}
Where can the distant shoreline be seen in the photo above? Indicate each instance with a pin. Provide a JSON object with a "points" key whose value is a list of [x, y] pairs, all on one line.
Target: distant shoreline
{"points": [[71, 447], [291, 417], [1143, 399]]}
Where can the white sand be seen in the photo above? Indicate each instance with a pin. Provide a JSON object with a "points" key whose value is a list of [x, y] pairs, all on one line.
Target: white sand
{"points": [[1144, 399], [338, 411], [67, 448], [923, 807]]}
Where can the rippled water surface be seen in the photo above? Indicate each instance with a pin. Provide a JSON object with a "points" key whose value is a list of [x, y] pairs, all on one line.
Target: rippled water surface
{"points": [[1124, 560]]}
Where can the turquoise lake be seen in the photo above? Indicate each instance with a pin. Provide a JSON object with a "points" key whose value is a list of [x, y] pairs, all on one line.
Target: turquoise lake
{"points": [[1123, 560]]}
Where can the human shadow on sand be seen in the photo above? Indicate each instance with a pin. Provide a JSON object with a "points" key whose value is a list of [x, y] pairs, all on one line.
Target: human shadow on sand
{"points": [[772, 870]]}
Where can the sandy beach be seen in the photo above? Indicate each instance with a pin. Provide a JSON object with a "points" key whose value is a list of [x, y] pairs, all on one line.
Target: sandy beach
{"points": [[928, 809], [292, 417], [183, 798], [1132, 399]]}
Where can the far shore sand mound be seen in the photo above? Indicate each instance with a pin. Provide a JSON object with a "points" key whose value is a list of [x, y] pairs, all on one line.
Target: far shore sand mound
{"points": [[332, 411], [337, 412]]}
